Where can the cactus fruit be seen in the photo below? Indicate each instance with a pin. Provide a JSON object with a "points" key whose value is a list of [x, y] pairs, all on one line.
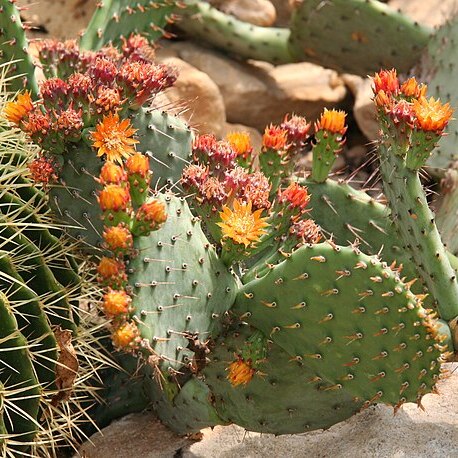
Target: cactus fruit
{"points": [[356, 36]]}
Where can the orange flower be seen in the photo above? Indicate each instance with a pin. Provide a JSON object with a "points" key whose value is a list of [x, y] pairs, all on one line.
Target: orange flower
{"points": [[118, 238], [241, 224], [386, 80], [114, 138], [139, 164], [16, 111], [114, 197], [411, 88], [431, 114], [110, 268], [116, 302], [332, 121], [274, 138], [112, 174], [296, 195], [125, 336], [240, 372], [241, 143], [383, 100], [153, 213]]}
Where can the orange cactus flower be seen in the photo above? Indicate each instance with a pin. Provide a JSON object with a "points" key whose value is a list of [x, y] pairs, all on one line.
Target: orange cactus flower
{"points": [[113, 138], [275, 138], [110, 268], [118, 238], [383, 100], [240, 372], [332, 121], [114, 197], [431, 115], [296, 195], [112, 173], [125, 336], [16, 111], [241, 143], [411, 88], [153, 213], [386, 80], [116, 302], [242, 225], [138, 164]]}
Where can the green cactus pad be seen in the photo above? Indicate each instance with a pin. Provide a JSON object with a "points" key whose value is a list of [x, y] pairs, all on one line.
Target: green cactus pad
{"points": [[417, 230], [356, 36], [350, 319], [180, 287], [114, 19], [439, 69], [189, 411], [167, 141], [14, 49], [281, 398]]}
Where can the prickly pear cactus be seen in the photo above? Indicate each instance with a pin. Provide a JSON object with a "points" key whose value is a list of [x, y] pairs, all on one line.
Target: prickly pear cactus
{"points": [[355, 36]]}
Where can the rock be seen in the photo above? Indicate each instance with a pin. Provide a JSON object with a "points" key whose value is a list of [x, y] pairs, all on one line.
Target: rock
{"points": [[432, 12], [258, 94], [257, 12], [373, 433], [364, 110], [57, 19], [202, 105], [256, 136]]}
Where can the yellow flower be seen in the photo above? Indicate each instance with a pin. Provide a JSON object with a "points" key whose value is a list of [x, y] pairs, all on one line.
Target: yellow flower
{"points": [[241, 143], [240, 372], [431, 114], [16, 111], [114, 138], [241, 224], [333, 121]]}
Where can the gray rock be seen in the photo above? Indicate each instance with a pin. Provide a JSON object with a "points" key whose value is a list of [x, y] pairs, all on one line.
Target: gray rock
{"points": [[257, 12]]}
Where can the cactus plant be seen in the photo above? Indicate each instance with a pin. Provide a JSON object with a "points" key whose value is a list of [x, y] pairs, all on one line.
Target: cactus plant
{"points": [[49, 348], [354, 36]]}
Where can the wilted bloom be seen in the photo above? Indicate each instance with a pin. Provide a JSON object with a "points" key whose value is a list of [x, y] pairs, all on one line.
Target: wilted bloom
{"points": [[306, 230], [113, 138], [402, 112], [431, 114], [386, 80], [240, 143], [38, 125], [108, 100], [194, 176], [241, 224], [137, 48], [333, 121], [103, 70], [297, 127], [116, 302], [275, 138], [17, 110], [114, 197], [118, 238], [70, 123], [240, 372], [257, 191], [54, 92], [295, 195], [125, 336], [411, 88], [43, 170], [212, 190], [205, 143], [112, 173]]}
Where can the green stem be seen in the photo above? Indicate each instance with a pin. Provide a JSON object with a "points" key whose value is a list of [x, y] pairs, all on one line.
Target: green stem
{"points": [[248, 41], [417, 228]]}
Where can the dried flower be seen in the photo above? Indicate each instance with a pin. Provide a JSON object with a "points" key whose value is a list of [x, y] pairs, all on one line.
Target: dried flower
{"points": [[43, 170], [240, 372]]}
